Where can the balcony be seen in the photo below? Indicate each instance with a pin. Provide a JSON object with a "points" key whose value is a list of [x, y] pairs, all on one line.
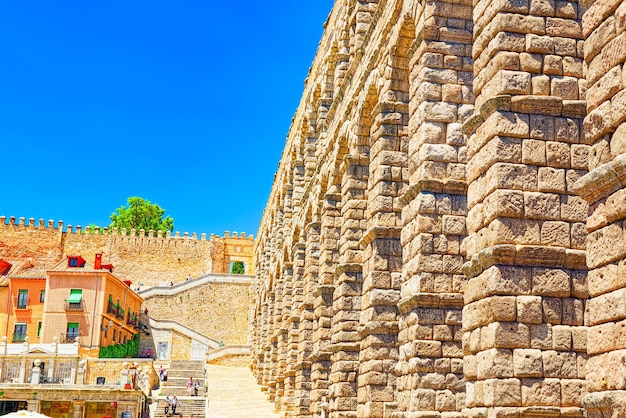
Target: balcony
{"points": [[69, 337], [116, 310], [74, 306], [133, 320], [19, 338]]}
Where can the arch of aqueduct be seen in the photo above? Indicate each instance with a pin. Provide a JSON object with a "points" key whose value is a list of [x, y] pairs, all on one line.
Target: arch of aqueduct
{"points": [[445, 234]]}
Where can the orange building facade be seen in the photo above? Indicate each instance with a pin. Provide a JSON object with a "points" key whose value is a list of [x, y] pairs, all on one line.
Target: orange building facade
{"points": [[71, 302], [25, 307]]}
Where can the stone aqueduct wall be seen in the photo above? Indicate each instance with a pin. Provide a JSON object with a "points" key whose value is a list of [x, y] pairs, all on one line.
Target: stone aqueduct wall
{"points": [[147, 257], [445, 234]]}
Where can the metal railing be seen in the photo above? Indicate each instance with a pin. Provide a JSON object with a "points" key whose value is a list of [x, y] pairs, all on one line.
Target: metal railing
{"points": [[10, 372], [69, 337], [74, 306], [61, 374], [116, 310], [133, 320]]}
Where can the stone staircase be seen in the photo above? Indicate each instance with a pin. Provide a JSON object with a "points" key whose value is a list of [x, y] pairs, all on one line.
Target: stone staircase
{"points": [[232, 393], [178, 375], [187, 407]]}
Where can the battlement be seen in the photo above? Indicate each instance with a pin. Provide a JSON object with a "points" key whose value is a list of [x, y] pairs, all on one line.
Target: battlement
{"points": [[50, 224], [150, 257], [31, 223]]}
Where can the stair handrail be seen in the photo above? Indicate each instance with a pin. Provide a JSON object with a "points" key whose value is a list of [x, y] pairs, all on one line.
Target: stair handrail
{"points": [[169, 324], [245, 279]]}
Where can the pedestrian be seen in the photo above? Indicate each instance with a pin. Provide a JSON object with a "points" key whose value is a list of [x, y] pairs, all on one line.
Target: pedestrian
{"points": [[149, 353], [189, 386], [174, 404], [168, 402], [161, 373], [165, 375], [188, 277], [196, 386]]}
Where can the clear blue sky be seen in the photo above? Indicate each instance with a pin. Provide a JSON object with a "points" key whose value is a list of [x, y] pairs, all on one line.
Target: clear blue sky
{"points": [[186, 104]]}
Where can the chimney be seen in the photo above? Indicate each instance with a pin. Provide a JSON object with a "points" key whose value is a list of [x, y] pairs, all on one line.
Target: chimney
{"points": [[98, 262]]}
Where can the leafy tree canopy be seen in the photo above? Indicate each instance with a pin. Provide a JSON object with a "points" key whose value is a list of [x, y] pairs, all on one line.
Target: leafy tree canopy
{"points": [[141, 214]]}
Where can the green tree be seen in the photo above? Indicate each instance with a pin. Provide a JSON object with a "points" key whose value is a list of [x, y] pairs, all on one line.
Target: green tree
{"points": [[237, 268], [141, 214]]}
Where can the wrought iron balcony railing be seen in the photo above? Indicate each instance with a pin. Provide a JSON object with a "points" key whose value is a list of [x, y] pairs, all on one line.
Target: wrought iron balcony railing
{"points": [[69, 337], [74, 306]]}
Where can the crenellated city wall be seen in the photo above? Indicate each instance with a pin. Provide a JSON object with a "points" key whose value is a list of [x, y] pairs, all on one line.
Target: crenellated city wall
{"points": [[147, 258]]}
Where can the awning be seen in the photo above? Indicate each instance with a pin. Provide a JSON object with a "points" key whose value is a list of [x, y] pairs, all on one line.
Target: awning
{"points": [[5, 266], [76, 295]]}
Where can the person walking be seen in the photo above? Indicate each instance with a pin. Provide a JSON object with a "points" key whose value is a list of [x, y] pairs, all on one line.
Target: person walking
{"points": [[196, 386], [165, 375], [168, 402], [161, 373], [190, 386], [174, 404]]}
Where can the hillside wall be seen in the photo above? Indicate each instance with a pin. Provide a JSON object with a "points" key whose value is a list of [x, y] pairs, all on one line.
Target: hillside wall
{"points": [[217, 310]]}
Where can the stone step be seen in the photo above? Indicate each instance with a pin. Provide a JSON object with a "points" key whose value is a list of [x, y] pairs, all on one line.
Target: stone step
{"points": [[185, 374], [187, 364], [178, 391], [187, 406], [182, 381]]}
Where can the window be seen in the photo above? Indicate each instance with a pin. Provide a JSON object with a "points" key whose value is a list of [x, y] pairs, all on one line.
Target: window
{"points": [[237, 267], [22, 299], [114, 335], [72, 331], [42, 296], [19, 332], [75, 261], [39, 329], [74, 301]]}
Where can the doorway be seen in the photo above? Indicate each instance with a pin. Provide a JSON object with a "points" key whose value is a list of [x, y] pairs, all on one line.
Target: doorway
{"points": [[162, 349]]}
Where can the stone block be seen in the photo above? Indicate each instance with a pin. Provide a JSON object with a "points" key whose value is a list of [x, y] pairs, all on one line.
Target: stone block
{"points": [[502, 392], [551, 282], [564, 87], [534, 152], [541, 392], [555, 234], [530, 63], [608, 307], [541, 336], [505, 335], [529, 310], [604, 88], [572, 391], [540, 85], [601, 338], [527, 363], [494, 363]]}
